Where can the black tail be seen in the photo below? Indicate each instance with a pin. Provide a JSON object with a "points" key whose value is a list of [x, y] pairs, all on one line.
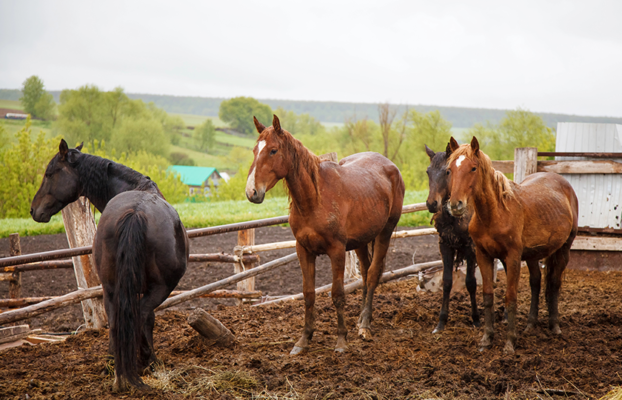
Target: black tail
{"points": [[129, 280]]}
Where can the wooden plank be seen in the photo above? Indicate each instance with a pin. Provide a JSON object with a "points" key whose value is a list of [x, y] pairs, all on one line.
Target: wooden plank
{"points": [[15, 284], [6, 277], [525, 162], [581, 167], [578, 154], [80, 228], [245, 238], [597, 243], [414, 208], [13, 333], [507, 167]]}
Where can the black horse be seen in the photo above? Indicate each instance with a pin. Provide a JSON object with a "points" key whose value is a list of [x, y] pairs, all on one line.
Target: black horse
{"points": [[454, 240], [140, 249]]}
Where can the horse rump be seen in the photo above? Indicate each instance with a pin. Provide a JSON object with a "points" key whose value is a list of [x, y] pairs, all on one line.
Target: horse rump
{"points": [[125, 328]]}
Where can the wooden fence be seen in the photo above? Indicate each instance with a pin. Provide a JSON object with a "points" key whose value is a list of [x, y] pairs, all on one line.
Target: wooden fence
{"points": [[245, 258]]}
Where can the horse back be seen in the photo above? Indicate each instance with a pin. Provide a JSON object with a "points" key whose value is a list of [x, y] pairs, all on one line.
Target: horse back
{"points": [[360, 197], [166, 242], [550, 210]]}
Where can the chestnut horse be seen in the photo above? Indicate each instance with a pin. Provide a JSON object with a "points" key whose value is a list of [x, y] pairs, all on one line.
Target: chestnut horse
{"points": [[335, 207], [529, 221], [454, 241], [140, 248]]}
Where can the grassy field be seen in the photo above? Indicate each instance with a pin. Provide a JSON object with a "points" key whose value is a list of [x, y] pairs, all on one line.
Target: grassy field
{"points": [[199, 215], [195, 120], [14, 104], [14, 125]]}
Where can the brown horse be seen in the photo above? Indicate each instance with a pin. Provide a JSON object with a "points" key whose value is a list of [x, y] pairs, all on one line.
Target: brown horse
{"points": [[334, 208], [140, 249], [531, 221]]}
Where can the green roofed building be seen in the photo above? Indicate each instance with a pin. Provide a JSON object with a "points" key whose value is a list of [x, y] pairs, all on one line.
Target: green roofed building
{"points": [[197, 177]]}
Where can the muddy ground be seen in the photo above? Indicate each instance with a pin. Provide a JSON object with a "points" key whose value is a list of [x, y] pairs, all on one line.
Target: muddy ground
{"points": [[403, 361]]}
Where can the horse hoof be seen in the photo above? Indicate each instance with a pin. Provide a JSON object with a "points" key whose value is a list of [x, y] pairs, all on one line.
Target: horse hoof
{"points": [[297, 350], [438, 329], [530, 327], [365, 334], [340, 349], [556, 330], [477, 324]]}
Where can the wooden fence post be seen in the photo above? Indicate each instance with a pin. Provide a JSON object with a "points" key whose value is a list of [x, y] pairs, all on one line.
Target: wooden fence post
{"points": [[80, 228], [525, 162], [15, 284], [245, 238]]}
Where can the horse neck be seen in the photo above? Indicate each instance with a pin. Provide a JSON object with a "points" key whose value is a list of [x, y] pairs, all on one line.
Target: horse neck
{"points": [[486, 201], [303, 192], [102, 179]]}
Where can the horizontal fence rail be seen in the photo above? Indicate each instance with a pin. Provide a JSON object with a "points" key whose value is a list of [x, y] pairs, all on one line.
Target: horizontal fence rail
{"points": [[192, 233], [578, 154]]}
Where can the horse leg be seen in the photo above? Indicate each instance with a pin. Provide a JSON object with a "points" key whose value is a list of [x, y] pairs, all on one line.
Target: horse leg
{"points": [[535, 278], [381, 245], [555, 266], [153, 298], [486, 265], [511, 295], [447, 254], [307, 265], [108, 293], [471, 284], [338, 263], [363, 256]]}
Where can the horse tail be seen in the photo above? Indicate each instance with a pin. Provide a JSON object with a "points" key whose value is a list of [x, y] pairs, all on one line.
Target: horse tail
{"points": [[129, 281]]}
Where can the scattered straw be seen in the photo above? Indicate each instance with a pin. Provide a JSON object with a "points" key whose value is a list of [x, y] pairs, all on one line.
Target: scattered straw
{"points": [[614, 394]]}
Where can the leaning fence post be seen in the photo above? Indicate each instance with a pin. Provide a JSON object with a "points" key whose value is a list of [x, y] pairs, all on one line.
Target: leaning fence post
{"points": [[80, 229], [245, 238], [15, 284], [525, 162]]}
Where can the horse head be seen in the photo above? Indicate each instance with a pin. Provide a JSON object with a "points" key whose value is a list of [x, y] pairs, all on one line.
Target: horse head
{"points": [[271, 160], [437, 179], [60, 185], [462, 174]]}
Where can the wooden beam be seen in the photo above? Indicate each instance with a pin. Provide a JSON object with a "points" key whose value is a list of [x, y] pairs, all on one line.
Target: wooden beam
{"points": [[525, 162], [245, 238], [80, 229], [507, 167], [581, 167], [15, 284], [578, 154], [13, 333], [597, 243]]}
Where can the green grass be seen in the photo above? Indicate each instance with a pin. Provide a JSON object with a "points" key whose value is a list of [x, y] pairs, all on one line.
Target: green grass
{"points": [[199, 215], [13, 104], [195, 120], [247, 142], [203, 159], [14, 125]]}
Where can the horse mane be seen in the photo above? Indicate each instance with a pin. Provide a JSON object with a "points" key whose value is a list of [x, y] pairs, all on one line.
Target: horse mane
{"points": [[499, 183], [302, 158], [95, 172]]}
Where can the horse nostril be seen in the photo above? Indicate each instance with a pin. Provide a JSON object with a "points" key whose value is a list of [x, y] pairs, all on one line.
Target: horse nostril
{"points": [[254, 192], [31, 210], [460, 204]]}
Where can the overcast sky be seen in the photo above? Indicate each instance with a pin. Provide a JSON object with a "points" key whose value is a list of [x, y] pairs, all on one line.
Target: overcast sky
{"points": [[547, 56]]}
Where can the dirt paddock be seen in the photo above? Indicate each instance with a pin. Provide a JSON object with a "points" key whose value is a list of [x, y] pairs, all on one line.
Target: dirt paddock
{"points": [[403, 361]]}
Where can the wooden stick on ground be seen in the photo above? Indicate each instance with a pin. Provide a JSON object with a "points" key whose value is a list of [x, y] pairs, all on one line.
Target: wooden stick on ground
{"points": [[211, 328]]}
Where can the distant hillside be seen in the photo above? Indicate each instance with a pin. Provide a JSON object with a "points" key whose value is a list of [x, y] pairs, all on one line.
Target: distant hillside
{"points": [[330, 111]]}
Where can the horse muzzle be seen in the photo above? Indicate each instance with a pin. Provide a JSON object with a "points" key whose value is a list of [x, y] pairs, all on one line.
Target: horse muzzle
{"points": [[255, 196], [432, 206], [457, 209], [39, 216]]}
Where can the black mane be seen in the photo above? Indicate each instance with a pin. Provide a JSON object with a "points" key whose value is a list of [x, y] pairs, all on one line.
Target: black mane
{"points": [[102, 179]]}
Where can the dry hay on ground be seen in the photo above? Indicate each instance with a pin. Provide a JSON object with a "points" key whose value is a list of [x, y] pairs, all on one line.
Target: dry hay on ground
{"points": [[404, 361]]}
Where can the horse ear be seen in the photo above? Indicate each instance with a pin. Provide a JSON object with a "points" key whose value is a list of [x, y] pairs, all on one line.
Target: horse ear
{"points": [[429, 151], [453, 144], [260, 127], [448, 149], [63, 149], [79, 148], [475, 146], [276, 124]]}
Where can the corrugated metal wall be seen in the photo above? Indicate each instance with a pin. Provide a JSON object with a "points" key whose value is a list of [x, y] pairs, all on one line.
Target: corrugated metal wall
{"points": [[600, 195]]}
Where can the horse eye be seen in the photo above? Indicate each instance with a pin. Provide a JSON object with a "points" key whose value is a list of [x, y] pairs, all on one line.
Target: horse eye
{"points": [[474, 169], [447, 172], [273, 152]]}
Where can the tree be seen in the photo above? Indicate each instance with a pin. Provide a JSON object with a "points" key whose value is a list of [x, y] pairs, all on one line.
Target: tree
{"points": [[238, 112], [391, 133], [205, 135], [519, 128], [140, 134], [35, 100], [299, 124], [22, 165]]}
